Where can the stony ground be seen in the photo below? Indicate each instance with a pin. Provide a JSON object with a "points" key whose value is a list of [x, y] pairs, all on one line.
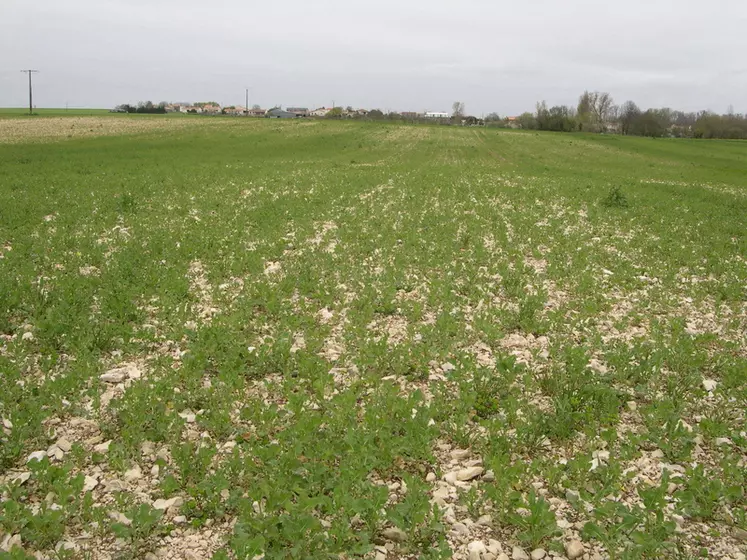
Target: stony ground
{"points": [[19, 130], [315, 340]]}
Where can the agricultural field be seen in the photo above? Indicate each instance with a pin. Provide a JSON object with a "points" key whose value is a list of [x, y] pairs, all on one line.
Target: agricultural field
{"points": [[7, 112], [229, 338]]}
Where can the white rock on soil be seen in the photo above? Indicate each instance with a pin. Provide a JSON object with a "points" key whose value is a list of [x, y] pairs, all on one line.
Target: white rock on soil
{"points": [[394, 534], [55, 452], [102, 447], [188, 417], [163, 454], [460, 529], [65, 545], [21, 478], [489, 476], [476, 549], [469, 473], [27, 336], [115, 485], [447, 367], [450, 477], [494, 546], [503, 556], [272, 267], [430, 477], [168, 504], [709, 385], [11, 541], [64, 444], [538, 554], [133, 474], [36, 456], [519, 554], [89, 483], [460, 454], [113, 376], [441, 493], [120, 518], [574, 549], [478, 546]]}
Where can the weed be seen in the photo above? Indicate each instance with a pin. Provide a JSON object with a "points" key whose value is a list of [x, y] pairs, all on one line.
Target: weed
{"points": [[615, 198], [536, 526]]}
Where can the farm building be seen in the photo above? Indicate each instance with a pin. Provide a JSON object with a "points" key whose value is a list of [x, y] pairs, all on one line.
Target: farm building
{"points": [[279, 114], [298, 111], [436, 115]]}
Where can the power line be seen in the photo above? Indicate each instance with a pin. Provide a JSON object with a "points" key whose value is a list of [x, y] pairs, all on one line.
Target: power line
{"points": [[31, 94]]}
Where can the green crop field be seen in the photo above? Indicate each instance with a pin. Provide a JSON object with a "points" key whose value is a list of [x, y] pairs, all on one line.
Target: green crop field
{"points": [[229, 338]]}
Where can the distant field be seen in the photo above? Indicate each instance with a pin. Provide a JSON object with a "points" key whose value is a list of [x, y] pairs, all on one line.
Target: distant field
{"points": [[20, 112], [50, 129], [15, 111], [228, 338]]}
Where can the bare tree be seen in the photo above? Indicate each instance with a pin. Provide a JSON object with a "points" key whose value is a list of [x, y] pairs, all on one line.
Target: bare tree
{"points": [[457, 109], [594, 110], [602, 105]]}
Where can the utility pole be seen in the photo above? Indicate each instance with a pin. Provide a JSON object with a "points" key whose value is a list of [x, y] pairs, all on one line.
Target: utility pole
{"points": [[31, 95], [246, 107]]}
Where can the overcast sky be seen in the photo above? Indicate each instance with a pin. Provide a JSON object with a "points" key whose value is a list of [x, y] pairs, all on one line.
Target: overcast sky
{"points": [[495, 55]]}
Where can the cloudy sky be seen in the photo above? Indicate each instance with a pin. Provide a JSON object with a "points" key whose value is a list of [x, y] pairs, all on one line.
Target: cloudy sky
{"points": [[495, 55]]}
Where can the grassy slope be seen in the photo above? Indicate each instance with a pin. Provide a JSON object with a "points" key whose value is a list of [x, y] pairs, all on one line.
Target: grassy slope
{"points": [[428, 245]]}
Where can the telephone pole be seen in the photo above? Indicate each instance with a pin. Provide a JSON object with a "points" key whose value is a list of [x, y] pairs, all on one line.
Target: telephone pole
{"points": [[246, 106], [31, 94]]}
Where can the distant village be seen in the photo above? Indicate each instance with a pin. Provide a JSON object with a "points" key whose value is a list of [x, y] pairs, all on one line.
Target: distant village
{"points": [[212, 108], [295, 112], [256, 111]]}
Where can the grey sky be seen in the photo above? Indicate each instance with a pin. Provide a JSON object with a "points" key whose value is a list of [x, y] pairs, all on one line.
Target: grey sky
{"points": [[495, 55]]}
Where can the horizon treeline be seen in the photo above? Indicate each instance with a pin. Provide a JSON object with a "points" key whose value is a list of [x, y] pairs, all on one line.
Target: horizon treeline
{"points": [[597, 112]]}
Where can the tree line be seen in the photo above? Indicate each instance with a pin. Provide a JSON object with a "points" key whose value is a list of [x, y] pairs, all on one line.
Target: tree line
{"points": [[597, 112], [142, 107]]}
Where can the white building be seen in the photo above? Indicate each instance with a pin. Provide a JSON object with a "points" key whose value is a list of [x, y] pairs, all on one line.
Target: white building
{"points": [[436, 115], [320, 112]]}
